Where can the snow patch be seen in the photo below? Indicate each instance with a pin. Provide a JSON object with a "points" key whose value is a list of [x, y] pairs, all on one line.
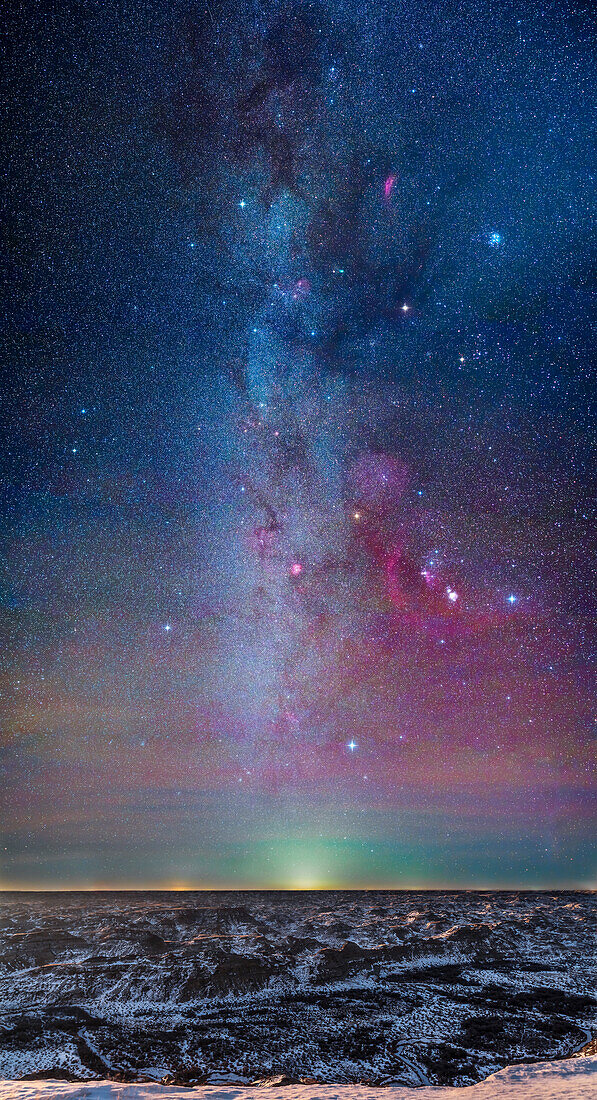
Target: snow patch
{"points": [[575, 1079]]}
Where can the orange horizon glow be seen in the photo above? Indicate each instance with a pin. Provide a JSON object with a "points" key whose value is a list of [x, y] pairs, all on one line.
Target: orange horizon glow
{"points": [[183, 888]]}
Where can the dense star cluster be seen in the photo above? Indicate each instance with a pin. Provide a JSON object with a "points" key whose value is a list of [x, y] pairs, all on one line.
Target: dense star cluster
{"points": [[297, 502]]}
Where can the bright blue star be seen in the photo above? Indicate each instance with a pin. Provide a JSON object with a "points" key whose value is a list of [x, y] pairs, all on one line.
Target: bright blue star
{"points": [[511, 599], [352, 745], [242, 204], [167, 628]]}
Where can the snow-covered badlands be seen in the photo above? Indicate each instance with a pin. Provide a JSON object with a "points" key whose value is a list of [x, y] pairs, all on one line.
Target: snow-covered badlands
{"points": [[346, 989]]}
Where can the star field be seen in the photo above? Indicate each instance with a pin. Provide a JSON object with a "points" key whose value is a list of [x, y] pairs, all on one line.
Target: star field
{"points": [[298, 478]]}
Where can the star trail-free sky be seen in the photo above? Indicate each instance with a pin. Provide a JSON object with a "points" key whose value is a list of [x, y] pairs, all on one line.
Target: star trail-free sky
{"points": [[298, 493]]}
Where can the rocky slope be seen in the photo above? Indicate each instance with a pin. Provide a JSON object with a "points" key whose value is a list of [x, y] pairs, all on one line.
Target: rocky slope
{"points": [[373, 987]]}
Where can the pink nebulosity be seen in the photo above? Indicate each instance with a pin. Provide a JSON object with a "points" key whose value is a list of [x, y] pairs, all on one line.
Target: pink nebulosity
{"points": [[394, 588], [296, 569], [388, 185], [403, 583]]}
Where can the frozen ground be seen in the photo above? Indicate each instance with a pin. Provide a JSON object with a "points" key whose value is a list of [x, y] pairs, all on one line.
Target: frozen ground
{"points": [[573, 1080], [371, 987]]}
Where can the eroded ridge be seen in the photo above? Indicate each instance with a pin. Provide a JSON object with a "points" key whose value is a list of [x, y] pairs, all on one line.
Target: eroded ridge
{"points": [[338, 987]]}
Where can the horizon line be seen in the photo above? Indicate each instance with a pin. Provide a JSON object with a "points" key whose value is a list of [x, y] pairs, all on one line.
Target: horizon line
{"points": [[186, 888]]}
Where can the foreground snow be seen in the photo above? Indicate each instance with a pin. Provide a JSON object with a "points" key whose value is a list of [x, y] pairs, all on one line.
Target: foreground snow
{"points": [[575, 1079]]}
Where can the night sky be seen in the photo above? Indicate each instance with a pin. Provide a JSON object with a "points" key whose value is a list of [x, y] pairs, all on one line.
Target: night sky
{"points": [[297, 478]]}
